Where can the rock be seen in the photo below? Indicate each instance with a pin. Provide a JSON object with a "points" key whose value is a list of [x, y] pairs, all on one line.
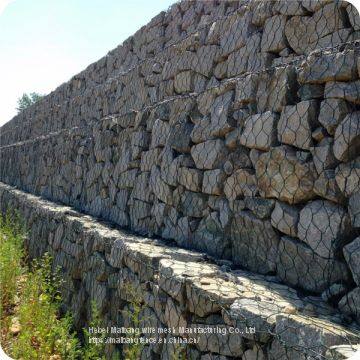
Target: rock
{"points": [[221, 122], [319, 134], [141, 190], [301, 337], [353, 16], [241, 183], [160, 189], [254, 243], [298, 265], [352, 256], [209, 154], [347, 138], [201, 131], [348, 177], [273, 38], [213, 182], [179, 137], [302, 32], [323, 155], [184, 82], [174, 316], [324, 227], [260, 207], [354, 209], [296, 124], [283, 176], [192, 204], [232, 139], [169, 166], [342, 352], [349, 91], [311, 91], [332, 113], [334, 292], [276, 89], [127, 178], [326, 187], [191, 179], [160, 133], [285, 218], [260, 131], [246, 90], [15, 327], [350, 304], [321, 67], [289, 8], [149, 158]]}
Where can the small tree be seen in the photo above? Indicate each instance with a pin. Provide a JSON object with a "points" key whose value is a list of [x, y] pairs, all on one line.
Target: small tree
{"points": [[28, 99]]}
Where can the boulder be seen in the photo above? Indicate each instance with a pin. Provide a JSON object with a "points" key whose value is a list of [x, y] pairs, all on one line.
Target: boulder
{"points": [[260, 131], [221, 122], [298, 265], [285, 218], [327, 187], [296, 124], [350, 304], [241, 183], [246, 90], [273, 38], [179, 136], [209, 154], [213, 182], [192, 204], [260, 207], [349, 91], [324, 226], [160, 133], [254, 243], [283, 176], [160, 189], [347, 138], [348, 177], [352, 256], [191, 179], [354, 209], [323, 155]]}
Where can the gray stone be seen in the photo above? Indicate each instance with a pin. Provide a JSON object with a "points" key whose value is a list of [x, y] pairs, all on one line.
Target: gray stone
{"points": [[353, 16], [354, 209], [246, 89], [296, 124], [254, 243], [349, 91], [285, 218], [342, 352], [327, 187], [323, 155], [209, 154], [348, 177], [184, 82], [352, 256], [311, 91], [213, 182], [160, 133], [149, 158], [350, 304], [179, 137], [334, 292], [324, 227], [241, 183], [332, 112], [260, 207], [347, 138], [282, 175], [260, 131], [160, 189], [221, 122], [298, 265], [191, 179], [232, 139], [289, 8], [319, 134], [273, 38], [193, 204]]}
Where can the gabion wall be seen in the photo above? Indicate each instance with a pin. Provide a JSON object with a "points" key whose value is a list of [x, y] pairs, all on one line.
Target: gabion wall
{"points": [[229, 128]]}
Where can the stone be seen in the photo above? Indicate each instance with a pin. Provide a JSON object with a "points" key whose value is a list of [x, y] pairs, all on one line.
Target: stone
{"points": [[241, 183], [334, 292], [353, 16], [298, 265], [276, 89], [260, 207], [347, 177], [221, 122], [289, 8], [179, 137], [347, 137], [193, 204], [254, 243], [201, 131], [328, 66], [127, 178], [209, 154], [323, 155], [141, 190], [260, 131], [296, 124], [213, 182], [191, 179], [319, 134], [160, 189], [354, 209], [246, 89], [169, 166], [149, 159], [184, 82], [311, 91], [302, 32], [283, 176], [232, 139], [350, 304], [285, 218], [324, 226], [273, 38], [327, 187], [349, 91], [332, 113], [352, 256], [342, 352], [160, 133]]}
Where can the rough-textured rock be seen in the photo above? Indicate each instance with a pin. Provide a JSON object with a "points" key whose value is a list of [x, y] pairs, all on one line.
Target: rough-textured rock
{"points": [[348, 177], [254, 243], [347, 138], [327, 187], [221, 122], [323, 226], [213, 182], [241, 183], [209, 155], [352, 257], [281, 175], [260, 131], [323, 155], [349, 304], [285, 218], [349, 91], [296, 124], [191, 179], [354, 209], [273, 38]]}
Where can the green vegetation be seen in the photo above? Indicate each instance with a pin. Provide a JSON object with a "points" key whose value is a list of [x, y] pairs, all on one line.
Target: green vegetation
{"points": [[27, 100]]}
